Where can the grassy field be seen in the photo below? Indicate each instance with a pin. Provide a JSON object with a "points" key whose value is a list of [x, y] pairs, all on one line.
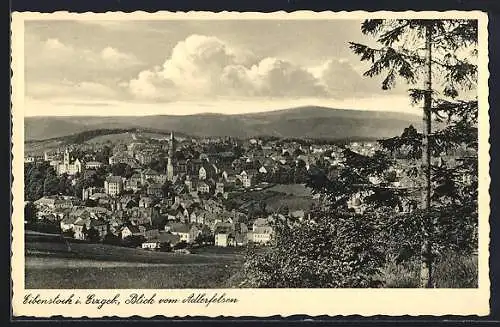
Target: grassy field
{"points": [[49, 263], [147, 277], [114, 138], [293, 196], [292, 189]]}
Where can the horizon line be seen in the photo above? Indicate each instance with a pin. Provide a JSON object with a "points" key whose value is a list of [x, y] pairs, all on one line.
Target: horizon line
{"points": [[211, 113]]}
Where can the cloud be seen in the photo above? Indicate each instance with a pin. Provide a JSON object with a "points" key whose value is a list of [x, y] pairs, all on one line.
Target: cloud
{"points": [[202, 66], [115, 57], [55, 54], [339, 77]]}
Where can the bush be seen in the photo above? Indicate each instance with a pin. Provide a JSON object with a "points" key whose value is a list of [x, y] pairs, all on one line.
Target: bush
{"points": [[111, 239], [451, 271], [133, 241], [456, 271], [401, 275], [333, 251]]}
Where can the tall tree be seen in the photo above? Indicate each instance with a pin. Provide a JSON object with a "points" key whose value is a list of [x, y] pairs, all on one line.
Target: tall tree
{"points": [[447, 46]]}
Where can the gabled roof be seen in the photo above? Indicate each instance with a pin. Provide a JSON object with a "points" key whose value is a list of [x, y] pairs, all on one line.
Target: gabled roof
{"points": [[114, 179], [150, 171], [133, 229]]}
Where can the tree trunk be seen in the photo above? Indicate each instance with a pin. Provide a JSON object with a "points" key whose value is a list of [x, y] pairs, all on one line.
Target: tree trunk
{"points": [[426, 251]]}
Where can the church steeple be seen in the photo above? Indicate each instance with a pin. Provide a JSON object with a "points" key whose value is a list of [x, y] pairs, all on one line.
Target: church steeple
{"points": [[170, 163], [66, 156], [171, 149]]}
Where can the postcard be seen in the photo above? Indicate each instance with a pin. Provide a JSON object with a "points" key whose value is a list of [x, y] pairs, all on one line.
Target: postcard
{"points": [[250, 164]]}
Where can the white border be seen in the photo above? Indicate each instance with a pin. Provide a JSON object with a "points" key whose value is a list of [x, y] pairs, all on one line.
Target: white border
{"points": [[258, 302]]}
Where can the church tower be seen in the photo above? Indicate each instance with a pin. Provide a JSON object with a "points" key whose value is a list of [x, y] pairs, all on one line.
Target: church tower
{"points": [[170, 162], [66, 157]]}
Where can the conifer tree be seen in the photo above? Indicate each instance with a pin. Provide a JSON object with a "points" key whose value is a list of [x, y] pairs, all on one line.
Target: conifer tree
{"points": [[429, 53]]}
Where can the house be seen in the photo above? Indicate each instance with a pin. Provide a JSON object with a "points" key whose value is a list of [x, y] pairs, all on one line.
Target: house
{"points": [[125, 202], [155, 190], [149, 175], [264, 169], [219, 187], [152, 176], [122, 158], [187, 233], [180, 229], [93, 165], [141, 216], [203, 187], [81, 226], [224, 236], [224, 239], [131, 230], [67, 223], [152, 245], [230, 176], [176, 214], [144, 157], [246, 179], [262, 231], [134, 183], [113, 185], [190, 184], [145, 202], [193, 166], [207, 171]]}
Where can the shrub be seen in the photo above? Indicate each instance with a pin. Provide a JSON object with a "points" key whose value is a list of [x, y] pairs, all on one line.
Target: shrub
{"points": [[333, 250], [456, 271], [452, 270]]}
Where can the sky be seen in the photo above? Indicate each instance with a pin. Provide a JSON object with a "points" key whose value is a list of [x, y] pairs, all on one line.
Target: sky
{"points": [[192, 66]]}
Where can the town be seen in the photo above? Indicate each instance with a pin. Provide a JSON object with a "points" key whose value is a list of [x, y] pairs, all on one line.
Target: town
{"points": [[169, 192]]}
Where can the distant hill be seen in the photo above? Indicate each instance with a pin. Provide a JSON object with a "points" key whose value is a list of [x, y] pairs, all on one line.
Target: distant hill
{"points": [[312, 122]]}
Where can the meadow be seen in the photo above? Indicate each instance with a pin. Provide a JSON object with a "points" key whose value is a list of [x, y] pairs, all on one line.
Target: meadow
{"points": [[129, 276], [49, 263]]}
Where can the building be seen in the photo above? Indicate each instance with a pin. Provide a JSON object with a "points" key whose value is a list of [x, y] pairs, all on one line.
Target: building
{"points": [[131, 230], [29, 159], [134, 183], [68, 166], [113, 185], [219, 187], [81, 228], [224, 235], [224, 239], [262, 231], [207, 171], [203, 187], [246, 179], [155, 190], [187, 233], [170, 161], [93, 165], [150, 175], [145, 202]]}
